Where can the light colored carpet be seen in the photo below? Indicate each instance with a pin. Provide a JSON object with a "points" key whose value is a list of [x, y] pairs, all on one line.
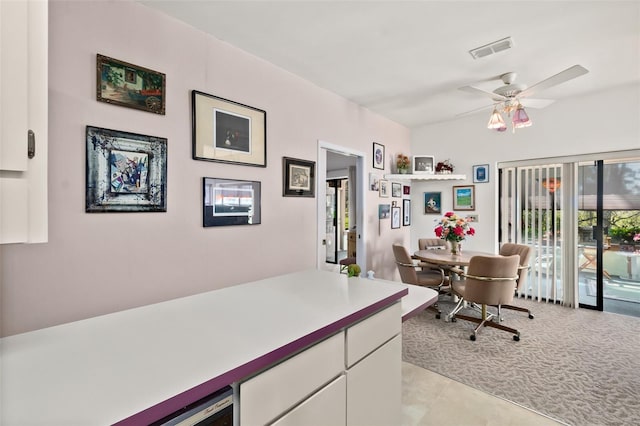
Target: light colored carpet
{"points": [[579, 366]]}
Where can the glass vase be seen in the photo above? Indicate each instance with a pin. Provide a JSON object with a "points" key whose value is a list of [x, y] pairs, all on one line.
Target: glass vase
{"points": [[455, 247]]}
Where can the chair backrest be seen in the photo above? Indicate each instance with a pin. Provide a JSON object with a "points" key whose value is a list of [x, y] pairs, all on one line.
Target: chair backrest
{"points": [[509, 249], [490, 279], [431, 243], [407, 270]]}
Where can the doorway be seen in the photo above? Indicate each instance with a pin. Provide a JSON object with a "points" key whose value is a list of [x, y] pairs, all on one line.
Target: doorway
{"points": [[337, 220], [609, 236], [330, 157]]}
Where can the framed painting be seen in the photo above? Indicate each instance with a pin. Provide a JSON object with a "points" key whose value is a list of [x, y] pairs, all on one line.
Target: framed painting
{"points": [[125, 172], [396, 190], [378, 156], [406, 212], [464, 197], [432, 202], [298, 177], [373, 182], [423, 164], [395, 217], [384, 211], [129, 85], [481, 173], [228, 202], [406, 190], [384, 187], [227, 131]]}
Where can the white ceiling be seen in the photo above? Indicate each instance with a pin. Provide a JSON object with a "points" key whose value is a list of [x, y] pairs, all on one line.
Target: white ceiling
{"points": [[406, 59]]}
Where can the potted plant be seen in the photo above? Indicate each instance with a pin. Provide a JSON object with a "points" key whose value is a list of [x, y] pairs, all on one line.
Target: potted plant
{"points": [[454, 229], [402, 163], [444, 167]]}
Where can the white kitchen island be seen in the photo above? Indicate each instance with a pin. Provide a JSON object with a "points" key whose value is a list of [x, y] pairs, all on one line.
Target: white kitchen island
{"points": [[136, 366]]}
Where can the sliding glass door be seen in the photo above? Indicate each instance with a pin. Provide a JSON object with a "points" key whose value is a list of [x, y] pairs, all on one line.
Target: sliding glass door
{"points": [[608, 256]]}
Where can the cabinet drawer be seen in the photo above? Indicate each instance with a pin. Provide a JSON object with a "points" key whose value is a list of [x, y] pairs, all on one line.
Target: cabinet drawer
{"points": [[273, 392], [327, 407], [369, 334]]}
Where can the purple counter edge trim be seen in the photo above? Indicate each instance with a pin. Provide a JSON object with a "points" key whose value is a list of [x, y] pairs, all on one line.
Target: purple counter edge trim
{"points": [[420, 308], [179, 401]]}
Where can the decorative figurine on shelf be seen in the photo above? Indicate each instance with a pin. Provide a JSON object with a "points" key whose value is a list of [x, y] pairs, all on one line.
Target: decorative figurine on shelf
{"points": [[402, 163], [444, 167]]}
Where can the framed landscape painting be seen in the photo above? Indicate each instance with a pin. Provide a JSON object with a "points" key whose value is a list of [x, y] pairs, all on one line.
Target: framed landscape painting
{"points": [[464, 197], [129, 85]]}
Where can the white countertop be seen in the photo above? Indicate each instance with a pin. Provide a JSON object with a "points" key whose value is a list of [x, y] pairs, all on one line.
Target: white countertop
{"points": [[105, 369]]}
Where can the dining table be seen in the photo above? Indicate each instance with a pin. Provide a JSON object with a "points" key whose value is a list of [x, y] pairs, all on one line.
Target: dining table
{"points": [[445, 258]]}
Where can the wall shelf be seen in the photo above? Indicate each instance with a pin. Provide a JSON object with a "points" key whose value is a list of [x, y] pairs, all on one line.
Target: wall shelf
{"points": [[424, 177]]}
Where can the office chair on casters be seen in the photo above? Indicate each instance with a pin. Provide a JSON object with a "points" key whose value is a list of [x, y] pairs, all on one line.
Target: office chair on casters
{"points": [[509, 249], [410, 274], [489, 280]]}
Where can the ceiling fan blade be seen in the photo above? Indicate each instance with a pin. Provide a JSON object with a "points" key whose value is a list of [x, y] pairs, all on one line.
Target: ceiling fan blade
{"points": [[487, 107], [536, 103], [561, 77], [475, 90]]}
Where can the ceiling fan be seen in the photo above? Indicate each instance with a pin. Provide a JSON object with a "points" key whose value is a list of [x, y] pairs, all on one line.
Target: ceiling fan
{"points": [[512, 97]]}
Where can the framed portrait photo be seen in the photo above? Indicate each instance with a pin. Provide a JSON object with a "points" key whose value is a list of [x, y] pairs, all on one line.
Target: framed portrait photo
{"points": [[395, 217], [481, 173], [128, 85], [432, 202], [424, 164], [227, 131], [378, 156], [464, 197], [298, 177], [126, 172], [406, 212]]}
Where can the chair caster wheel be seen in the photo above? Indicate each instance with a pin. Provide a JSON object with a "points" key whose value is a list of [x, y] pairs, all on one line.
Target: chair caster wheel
{"points": [[516, 338], [472, 337], [437, 316], [530, 316]]}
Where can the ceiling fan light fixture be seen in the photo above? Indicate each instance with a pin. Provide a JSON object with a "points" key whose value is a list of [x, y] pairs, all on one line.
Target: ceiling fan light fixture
{"points": [[520, 118], [496, 122]]}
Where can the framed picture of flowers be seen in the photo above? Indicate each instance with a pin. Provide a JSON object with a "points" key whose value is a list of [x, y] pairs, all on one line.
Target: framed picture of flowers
{"points": [[464, 197]]}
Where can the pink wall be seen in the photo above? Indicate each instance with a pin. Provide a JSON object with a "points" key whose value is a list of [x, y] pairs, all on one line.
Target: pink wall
{"points": [[100, 263]]}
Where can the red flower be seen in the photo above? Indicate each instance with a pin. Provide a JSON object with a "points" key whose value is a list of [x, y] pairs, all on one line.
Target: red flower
{"points": [[438, 231], [458, 231], [471, 231], [449, 214]]}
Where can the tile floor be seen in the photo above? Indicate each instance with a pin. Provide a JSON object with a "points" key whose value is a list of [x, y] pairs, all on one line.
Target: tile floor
{"points": [[431, 399]]}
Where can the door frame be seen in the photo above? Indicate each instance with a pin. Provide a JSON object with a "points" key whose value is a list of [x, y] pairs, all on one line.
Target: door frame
{"points": [[321, 193]]}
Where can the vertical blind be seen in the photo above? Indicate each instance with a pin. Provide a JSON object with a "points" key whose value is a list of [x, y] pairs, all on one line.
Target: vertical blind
{"points": [[531, 206]]}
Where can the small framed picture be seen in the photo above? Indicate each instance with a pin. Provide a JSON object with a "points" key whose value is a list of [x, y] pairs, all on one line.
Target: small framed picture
{"points": [[373, 182], [298, 177], [464, 197], [395, 217], [406, 212], [481, 173], [396, 190], [423, 164], [384, 187], [432, 202], [384, 211], [128, 85], [406, 190], [378, 156], [228, 202]]}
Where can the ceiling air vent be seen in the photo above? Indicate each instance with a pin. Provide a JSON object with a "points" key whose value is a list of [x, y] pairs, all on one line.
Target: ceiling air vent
{"points": [[491, 48]]}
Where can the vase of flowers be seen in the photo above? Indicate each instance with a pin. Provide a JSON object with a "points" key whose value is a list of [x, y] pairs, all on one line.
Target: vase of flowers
{"points": [[454, 229], [402, 163]]}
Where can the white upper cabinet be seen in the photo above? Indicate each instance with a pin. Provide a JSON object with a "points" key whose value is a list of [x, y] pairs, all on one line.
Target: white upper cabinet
{"points": [[23, 111]]}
